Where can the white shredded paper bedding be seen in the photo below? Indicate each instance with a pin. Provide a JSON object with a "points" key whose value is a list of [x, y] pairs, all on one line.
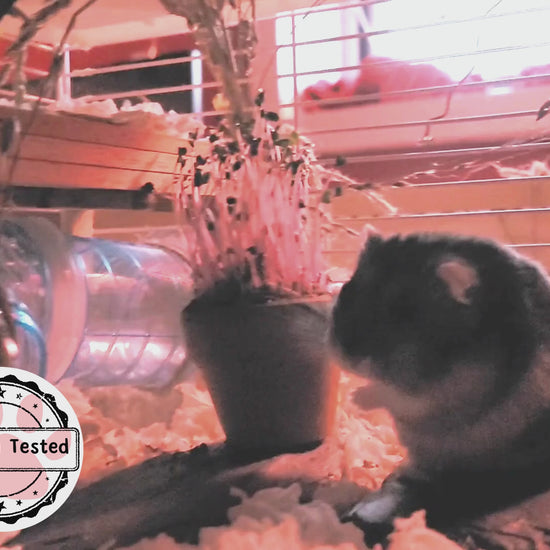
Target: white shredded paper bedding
{"points": [[124, 426]]}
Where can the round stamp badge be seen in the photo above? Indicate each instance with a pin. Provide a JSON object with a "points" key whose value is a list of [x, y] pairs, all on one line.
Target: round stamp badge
{"points": [[40, 449]]}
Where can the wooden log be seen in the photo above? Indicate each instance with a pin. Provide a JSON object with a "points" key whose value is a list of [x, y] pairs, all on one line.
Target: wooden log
{"points": [[180, 493], [525, 526], [173, 493]]}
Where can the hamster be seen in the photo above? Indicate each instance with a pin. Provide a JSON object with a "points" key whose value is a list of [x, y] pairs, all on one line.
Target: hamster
{"points": [[454, 333]]}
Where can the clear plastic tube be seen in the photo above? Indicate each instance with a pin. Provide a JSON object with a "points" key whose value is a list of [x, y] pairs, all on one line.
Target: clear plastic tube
{"points": [[32, 353], [102, 312]]}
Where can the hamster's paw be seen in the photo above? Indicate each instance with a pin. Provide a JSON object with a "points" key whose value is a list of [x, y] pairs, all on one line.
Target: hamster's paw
{"points": [[375, 514]]}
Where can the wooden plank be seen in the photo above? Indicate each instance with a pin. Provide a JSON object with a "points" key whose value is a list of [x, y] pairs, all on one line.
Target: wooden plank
{"points": [[470, 196], [511, 211], [466, 196], [355, 204], [56, 174], [61, 150], [348, 258], [540, 254], [56, 197], [96, 154], [136, 131], [512, 226], [122, 219]]}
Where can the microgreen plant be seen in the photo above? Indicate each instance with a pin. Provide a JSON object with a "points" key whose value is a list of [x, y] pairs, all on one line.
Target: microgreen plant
{"points": [[255, 208]]}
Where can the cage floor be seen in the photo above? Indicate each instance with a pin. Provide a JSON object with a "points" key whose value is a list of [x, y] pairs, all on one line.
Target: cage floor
{"points": [[174, 496], [148, 483]]}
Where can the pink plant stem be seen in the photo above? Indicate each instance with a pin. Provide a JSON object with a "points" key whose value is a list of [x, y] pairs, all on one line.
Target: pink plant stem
{"points": [[206, 247]]}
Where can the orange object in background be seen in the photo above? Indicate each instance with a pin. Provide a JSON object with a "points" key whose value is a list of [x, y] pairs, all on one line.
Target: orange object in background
{"points": [[378, 77]]}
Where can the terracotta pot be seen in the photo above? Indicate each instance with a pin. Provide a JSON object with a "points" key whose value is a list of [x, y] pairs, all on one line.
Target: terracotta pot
{"points": [[268, 370]]}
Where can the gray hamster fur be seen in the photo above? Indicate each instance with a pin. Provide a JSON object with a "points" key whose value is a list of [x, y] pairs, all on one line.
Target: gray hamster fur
{"points": [[454, 332]]}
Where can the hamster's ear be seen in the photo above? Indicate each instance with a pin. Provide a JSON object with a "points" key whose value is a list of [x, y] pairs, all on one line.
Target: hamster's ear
{"points": [[371, 238], [459, 276]]}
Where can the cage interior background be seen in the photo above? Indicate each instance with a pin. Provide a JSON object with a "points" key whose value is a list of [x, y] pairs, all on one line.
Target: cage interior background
{"points": [[438, 105]]}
